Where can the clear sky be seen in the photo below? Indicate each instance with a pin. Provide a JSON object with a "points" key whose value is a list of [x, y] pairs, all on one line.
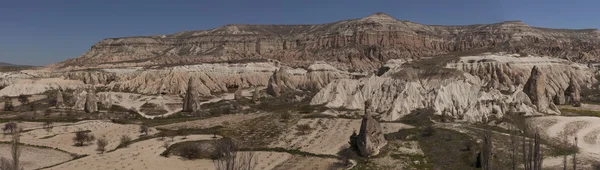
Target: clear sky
{"points": [[40, 32]]}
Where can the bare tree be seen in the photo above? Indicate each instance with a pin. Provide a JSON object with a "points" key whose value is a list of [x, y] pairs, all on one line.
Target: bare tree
{"points": [[15, 151], [486, 153], [575, 156], [514, 148], [48, 126], [83, 137], [532, 153], [228, 157], [102, 142], [10, 127]]}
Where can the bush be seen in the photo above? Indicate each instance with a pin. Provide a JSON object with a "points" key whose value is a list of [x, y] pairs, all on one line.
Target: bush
{"points": [[303, 128], [83, 137], [102, 142], [125, 141], [9, 127], [23, 99], [427, 131], [144, 129], [8, 106]]}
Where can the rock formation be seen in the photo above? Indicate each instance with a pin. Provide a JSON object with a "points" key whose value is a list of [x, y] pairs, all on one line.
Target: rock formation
{"points": [[256, 95], [370, 137], [237, 95], [91, 102], [573, 92], [535, 88], [463, 89], [60, 102], [280, 80], [191, 101], [362, 43]]}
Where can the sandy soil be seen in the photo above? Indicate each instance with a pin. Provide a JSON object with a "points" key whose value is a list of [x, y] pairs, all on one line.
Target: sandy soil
{"points": [[211, 122], [586, 129], [61, 137], [34, 158], [308, 163], [328, 135], [146, 155]]}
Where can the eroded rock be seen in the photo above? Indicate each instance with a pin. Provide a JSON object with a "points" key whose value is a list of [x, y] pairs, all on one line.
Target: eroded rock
{"points": [[370, 137], [191, 101]]}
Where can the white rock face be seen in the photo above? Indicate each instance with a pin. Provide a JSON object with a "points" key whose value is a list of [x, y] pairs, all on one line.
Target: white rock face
{"points": [[39, 85], [490, 86]]}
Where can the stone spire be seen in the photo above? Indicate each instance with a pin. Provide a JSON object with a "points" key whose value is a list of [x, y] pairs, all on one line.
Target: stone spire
{"points": [[60, 102], [191, 101], [370, 138]]}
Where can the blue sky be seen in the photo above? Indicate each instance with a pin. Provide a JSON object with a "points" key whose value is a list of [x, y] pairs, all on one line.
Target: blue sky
{"points": [[40, 32]]}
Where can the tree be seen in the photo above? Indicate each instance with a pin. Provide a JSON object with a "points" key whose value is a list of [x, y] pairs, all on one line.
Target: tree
{"points": [[48, 126], [9, 127], [23, 99], [83, 137], [8, 106], [486, 153], [101, 142], [144, 129], [256, 95], [228, 158], [47, 113], [15, 149]]}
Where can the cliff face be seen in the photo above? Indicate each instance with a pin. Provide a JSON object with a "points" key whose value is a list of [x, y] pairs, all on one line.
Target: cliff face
{"points": [[359, 43], [472, 88]]}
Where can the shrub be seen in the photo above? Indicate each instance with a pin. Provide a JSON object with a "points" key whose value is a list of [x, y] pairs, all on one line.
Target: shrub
{"points": [[102, 142], [8, 106], [23, 99], [144, 129], [125, 141], [427, 131], [9, 127], [83, 137], [303, 128]]}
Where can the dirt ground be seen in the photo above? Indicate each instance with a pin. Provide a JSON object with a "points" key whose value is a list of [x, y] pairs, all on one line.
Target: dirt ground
{"points": [[34, 158]]}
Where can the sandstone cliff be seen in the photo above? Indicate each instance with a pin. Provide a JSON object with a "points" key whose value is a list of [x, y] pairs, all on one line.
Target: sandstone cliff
{"points": [[471, 88], [357, 43]]}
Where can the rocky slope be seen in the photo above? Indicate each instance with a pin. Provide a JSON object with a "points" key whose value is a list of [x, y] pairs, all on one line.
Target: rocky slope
{"points": [[357, 43], [472, 88]]}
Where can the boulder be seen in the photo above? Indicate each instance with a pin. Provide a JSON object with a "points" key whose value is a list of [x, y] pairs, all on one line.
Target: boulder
{"points": [[370, 138], [191, 101], [278, 81]]}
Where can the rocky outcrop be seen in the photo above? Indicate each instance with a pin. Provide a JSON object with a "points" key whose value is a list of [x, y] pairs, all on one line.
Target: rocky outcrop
{"points": [[573, 92], [91, 77], [191, 101], [256, 95], [465, 89], [237, 95], [535, 88], [85, 100], [91, 102], [370, 137], [362, 43], [38, 85], [280, 80], [60, 102]]}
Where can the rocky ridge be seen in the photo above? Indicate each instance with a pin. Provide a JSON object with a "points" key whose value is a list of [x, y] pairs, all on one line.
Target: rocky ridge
{"points": [[470, 88], [363, 43]]}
